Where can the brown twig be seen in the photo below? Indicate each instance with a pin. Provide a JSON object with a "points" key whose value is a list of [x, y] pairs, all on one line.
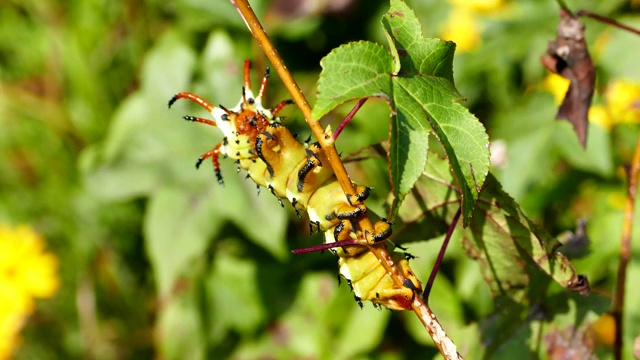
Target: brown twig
{"points": [[445, 345], [606, 20], [625, 250]]}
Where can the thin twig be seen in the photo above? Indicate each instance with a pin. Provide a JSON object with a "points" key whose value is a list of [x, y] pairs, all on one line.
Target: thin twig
{"points": [[443, 343], [348, 118], [606, 20], [625, 250], [443, 249], [563, 5]]}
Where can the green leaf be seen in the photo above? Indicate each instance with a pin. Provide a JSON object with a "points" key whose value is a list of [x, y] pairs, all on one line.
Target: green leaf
{"points": [[234, 281], [513, 250], [141, 143], [353, 71], [177, 330], [366, 318], [412, 53], [417, 82], [462, 136], [178, 227], [307, 330], [517, 257], [596, 158]]}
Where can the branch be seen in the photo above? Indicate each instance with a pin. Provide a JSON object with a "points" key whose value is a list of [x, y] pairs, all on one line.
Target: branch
{"points": [[606, 20], [443, 249], [445, 345], [625, 249]]}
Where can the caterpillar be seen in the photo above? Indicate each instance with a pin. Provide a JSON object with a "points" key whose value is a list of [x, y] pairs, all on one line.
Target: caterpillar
{"points": [[272, 157]]}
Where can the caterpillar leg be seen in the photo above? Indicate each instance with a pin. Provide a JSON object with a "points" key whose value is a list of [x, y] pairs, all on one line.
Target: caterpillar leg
{"points": [[223, 115], [381, 231], [362, 194], [354, 207], [346, 211], [343, 231], [214, 154], [262, 91]]}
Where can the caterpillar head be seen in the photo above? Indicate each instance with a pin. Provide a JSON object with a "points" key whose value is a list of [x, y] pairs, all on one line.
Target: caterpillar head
{"points": [[240, 125], [243, 123]]}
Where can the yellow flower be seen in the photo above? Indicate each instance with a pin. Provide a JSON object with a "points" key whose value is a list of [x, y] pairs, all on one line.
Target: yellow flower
{"points": [[623, 101], [478, 5], [10, 324], [26, 272], [603, 330], [557, 86], [462, 26], [598, 115]]}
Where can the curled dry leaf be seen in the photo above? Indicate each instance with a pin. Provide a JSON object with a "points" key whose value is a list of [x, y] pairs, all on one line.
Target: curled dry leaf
{"points": [[569, 57]]}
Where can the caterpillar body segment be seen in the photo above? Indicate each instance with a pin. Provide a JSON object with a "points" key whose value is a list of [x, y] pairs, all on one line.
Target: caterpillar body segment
{"points": [[300, 173], [370, 280]]}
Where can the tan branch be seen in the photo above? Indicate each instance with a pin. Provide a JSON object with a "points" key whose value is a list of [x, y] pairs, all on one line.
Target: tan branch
{"points": [[625, 249], [426, 316]]}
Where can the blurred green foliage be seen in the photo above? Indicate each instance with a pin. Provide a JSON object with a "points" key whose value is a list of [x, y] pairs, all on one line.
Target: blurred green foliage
{"points": [[157, 258]]}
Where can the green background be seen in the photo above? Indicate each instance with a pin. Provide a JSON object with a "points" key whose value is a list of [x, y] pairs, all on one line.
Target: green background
{"points": [[157, 259]]}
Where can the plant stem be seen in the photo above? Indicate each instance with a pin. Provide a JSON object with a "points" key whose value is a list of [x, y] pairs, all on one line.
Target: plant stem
{"points": [[443, 249], [625, 250], [606, 20], [443, 343], [563, 6], [298, 97], [348, 118]]}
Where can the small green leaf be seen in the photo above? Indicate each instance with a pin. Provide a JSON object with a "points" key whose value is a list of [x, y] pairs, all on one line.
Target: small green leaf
{"points": [[353, 71], [178, 227], [513, 250], [234, 281], [177, 330], [366, 318], [464, 138], [409, 144], [412, 53], [417, 82], [517, 258]]}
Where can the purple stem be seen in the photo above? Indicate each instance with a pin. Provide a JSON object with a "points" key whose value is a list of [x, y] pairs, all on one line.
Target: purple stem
{"points": [[443, 249], [347, 119], [324, 246]]}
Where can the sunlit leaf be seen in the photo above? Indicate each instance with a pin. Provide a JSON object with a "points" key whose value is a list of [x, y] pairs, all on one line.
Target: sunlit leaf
{"points": [[416, 80], [517, 258]]}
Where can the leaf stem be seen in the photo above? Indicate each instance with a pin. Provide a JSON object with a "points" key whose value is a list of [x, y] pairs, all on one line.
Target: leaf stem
{"points": [[625, 250], [443, 249], [348, 118], [324, 246]]}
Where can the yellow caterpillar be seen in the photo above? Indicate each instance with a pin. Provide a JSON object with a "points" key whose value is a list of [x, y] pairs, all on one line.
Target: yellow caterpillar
{"points": [[273, 158]]}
